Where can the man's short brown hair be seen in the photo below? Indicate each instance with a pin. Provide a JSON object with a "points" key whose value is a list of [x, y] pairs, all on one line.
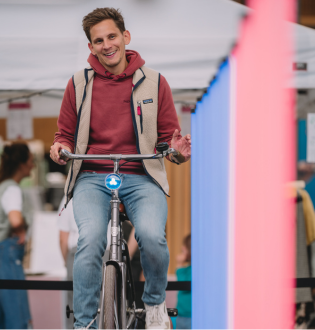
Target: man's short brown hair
{"points": [[100, 14]]}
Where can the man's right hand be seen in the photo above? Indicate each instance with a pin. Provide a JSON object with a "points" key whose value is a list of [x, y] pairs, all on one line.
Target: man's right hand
{"points": [[54, 153]]}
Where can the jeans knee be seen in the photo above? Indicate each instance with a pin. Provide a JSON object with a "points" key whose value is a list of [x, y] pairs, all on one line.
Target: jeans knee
{"points": [[92, 242], [154, 256], [152, 243]]}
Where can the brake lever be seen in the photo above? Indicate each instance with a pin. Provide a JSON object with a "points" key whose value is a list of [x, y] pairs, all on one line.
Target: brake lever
{"points": [[180, 158]]}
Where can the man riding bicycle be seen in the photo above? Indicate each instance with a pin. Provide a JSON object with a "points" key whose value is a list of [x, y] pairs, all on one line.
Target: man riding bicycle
{"points": [[118, 106]]}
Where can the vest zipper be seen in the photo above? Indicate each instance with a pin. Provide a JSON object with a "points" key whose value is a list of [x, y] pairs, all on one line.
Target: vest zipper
{"points": [[133, 115], [139, 111]]}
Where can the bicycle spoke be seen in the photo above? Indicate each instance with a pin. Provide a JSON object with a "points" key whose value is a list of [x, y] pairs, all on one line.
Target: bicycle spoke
{"points": [[116, 315]]}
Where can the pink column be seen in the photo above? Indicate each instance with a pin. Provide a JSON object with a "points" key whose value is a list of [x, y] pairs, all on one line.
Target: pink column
{"points": [[264, 162]]}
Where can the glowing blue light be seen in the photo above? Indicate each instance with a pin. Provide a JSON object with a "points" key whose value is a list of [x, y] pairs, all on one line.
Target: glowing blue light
{"points": [[113, 181]]}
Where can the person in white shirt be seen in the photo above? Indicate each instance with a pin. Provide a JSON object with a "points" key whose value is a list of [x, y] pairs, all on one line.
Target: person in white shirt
{"points": [[68, 230], [16, 164], [68, 239]]}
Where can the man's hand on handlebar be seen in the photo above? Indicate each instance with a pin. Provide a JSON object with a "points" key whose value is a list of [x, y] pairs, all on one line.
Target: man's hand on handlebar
{"points": [[183, 145], [54, 153]]}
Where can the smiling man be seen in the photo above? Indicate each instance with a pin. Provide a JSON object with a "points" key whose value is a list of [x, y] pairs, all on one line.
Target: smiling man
{"points": [[110, 49], [117, 106]]}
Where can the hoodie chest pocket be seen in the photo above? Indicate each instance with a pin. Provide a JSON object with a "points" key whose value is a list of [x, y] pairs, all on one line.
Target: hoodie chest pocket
{"points": [[145, 111]]}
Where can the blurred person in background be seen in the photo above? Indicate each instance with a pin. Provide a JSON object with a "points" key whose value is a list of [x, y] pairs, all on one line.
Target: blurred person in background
{"points": [[68, 239], [16, 164], [306, 173], [183, 273]]}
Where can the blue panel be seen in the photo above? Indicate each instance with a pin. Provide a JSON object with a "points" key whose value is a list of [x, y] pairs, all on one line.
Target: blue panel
{"points": [[209, 202], [302, 139]]}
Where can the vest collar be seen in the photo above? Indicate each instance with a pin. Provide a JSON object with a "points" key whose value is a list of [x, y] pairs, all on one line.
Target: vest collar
{"points": [[137, 78], [90, 74]]}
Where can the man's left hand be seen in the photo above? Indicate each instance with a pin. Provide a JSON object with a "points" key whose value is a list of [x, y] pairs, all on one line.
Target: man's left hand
{"points": [[183, 144]]}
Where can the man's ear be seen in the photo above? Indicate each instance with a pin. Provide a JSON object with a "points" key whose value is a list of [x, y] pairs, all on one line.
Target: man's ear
{"points": [[91, 48], [127, 37]]}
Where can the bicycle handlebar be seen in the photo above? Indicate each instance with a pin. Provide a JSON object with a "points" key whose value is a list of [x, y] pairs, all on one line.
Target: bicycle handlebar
{"points": [[66, 154]]}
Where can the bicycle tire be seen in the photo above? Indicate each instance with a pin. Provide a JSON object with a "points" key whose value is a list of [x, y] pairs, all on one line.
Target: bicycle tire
{"points": [[109, 302]]}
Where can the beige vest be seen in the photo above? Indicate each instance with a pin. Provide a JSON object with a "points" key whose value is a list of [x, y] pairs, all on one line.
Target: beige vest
{"points": [[145, 94]]}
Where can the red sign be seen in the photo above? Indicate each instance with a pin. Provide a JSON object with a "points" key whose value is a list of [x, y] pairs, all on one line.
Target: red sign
{"points": [[22, 105]]}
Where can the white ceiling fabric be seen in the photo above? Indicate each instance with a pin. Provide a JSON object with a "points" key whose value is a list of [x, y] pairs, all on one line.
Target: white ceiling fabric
{"points": [[42, 42]]}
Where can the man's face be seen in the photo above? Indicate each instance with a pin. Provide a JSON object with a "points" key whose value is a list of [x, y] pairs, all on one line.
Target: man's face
{"points": [[108, 44]]}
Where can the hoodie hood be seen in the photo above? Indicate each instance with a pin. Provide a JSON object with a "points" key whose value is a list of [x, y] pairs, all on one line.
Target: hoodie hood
{"points": [[134, 63]]}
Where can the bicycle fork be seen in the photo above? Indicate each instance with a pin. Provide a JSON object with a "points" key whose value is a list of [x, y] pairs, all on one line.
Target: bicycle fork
{"points": [[115, 258]]}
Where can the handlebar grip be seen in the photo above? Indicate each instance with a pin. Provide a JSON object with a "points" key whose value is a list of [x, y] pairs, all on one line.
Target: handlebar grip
{"points": [[62, 154], [179, 157]]}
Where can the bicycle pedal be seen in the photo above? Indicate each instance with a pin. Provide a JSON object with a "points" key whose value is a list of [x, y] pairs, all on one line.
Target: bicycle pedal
{"points": [[68, 311], [172, 312]]}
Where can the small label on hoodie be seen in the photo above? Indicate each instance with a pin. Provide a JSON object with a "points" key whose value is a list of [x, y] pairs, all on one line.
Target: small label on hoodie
{"points": [[147, 101]]}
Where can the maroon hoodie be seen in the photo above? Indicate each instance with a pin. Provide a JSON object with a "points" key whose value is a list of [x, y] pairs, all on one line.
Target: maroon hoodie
{"points": [[111, 127]]}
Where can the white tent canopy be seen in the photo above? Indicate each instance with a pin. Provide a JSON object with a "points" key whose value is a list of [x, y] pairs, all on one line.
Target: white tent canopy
{"points": [[304, 53], [42, 42]]}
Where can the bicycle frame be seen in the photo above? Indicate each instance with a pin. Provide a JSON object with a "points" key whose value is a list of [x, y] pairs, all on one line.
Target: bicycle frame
{"points": [[115, 257], [117, 242]]}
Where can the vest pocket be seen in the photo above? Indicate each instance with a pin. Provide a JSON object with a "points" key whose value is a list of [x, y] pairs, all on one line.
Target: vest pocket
{"points": [[139, 112]]}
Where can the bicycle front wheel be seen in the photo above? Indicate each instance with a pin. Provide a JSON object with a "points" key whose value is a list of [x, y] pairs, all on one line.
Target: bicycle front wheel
{"points": [[110, 301]]}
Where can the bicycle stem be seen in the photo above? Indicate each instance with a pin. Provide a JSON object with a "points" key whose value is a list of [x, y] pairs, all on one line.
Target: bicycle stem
{"points": [[116, 166]]}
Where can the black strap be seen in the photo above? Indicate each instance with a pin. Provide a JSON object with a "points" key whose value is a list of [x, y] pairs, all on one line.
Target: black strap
{"points": [[68, 285]]}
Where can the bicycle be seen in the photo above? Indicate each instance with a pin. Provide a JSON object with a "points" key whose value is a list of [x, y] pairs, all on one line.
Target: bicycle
{"points": [[117, 300]]}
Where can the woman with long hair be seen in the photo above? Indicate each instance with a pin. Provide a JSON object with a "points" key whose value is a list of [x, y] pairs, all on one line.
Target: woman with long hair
{"points": [[16, 164]]}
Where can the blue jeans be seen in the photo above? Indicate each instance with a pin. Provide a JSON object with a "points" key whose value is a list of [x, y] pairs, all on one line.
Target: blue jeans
{"points": [[146, 207], [14, 308]]}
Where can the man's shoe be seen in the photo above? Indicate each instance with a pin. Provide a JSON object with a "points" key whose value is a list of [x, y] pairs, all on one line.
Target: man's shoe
{"points": [[156, 317]]}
